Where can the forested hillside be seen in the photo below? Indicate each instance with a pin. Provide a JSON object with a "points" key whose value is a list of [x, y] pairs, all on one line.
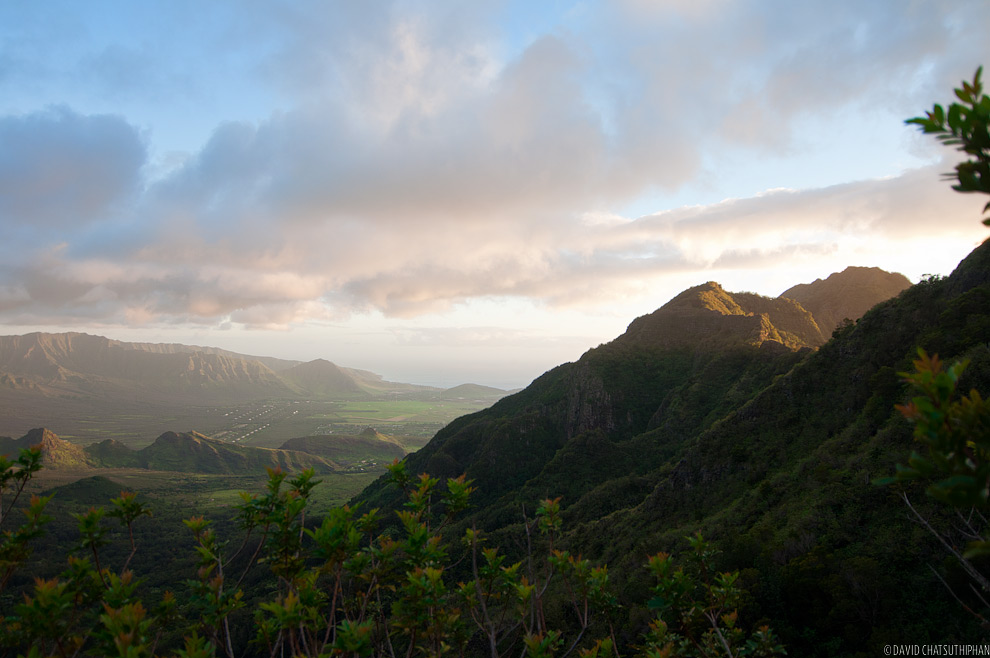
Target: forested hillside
{"points": [[769, 451]]}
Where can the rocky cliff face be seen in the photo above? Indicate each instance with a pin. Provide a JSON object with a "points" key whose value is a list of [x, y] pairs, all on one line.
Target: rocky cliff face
{"points": [[80, 364], [55, 453]]}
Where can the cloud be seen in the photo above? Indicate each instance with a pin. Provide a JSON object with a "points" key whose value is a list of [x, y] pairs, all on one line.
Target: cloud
{"points": [[61, 169], [403, 275], [418, 162], [527, 144]]}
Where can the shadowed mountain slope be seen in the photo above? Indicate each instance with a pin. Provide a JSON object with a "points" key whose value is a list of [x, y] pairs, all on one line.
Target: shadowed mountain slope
{"points": [[706, 416], [679, 369]]}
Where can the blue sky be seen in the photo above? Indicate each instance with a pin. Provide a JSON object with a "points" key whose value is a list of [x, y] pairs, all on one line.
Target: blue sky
{"points": [[446, 191]]}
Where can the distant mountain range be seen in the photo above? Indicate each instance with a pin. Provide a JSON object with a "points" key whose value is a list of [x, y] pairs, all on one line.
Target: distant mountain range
{"points": [[472, 392], [78, 366], [191, 452], [83, 366]]}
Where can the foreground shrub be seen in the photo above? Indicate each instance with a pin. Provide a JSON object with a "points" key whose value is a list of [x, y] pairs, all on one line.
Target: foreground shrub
{"points": [[343, 587]]}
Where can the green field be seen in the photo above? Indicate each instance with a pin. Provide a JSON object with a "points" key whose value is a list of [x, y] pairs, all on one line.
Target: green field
{"points": [[193, 493], [268, 424], [263, 423]]}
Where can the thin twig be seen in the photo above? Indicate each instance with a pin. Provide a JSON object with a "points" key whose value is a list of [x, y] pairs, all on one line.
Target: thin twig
{"points": [[979, 596], [958, 600], [967, 566]]}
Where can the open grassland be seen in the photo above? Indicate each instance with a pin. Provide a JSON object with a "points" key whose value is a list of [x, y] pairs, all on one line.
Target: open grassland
{"points": [[268, 424], [187, 493], [262, 423], [265, 423], [413, 421], [84, 422]]}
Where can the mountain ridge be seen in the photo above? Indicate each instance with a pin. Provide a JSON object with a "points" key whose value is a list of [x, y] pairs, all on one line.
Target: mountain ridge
{"points": [[715, 317], [765, 447], [679, 369], [188, 452], [846, 295], [80, 366]]}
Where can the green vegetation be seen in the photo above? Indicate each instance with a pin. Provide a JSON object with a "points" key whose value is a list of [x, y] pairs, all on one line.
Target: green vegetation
{"points": [[261, 423], [335, 588], [966, 126], [368, 449], [955, 428], [956, 432]]}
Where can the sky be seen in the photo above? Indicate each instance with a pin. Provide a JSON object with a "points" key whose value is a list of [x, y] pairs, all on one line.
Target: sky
{"points": [[445, 191]]}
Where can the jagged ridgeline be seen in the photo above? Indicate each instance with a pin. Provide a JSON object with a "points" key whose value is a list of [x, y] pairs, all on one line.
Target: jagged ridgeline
{"points": [[185, 452], [673, 373], [717, 413]]}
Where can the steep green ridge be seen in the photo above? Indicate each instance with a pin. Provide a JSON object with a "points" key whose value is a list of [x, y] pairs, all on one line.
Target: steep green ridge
{"points": [[682, 367], [186, 452], [55, 453], [705, 415], [783, 482]]}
